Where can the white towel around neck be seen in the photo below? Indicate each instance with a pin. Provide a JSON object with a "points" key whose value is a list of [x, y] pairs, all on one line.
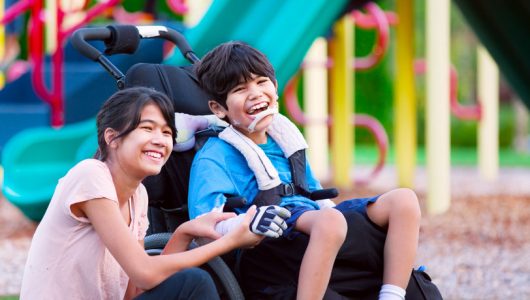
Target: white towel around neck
{"points": [[283, 131]]}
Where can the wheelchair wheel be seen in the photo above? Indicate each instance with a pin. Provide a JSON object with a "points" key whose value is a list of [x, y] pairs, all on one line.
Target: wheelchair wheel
{"points": [[225, 281]]}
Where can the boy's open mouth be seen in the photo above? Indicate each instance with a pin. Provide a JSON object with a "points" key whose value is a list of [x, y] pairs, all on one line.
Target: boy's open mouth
{"points": [[258, 108]]}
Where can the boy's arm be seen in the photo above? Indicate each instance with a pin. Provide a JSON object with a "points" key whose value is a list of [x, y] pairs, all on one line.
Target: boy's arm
{"points": [[208, 184]]}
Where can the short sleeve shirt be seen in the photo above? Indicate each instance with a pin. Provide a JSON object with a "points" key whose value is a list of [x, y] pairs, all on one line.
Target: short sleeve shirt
{"points": [[67, 259]]}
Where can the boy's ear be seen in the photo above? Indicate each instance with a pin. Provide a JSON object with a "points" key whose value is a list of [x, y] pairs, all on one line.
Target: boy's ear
{"points": [[217, 109]]}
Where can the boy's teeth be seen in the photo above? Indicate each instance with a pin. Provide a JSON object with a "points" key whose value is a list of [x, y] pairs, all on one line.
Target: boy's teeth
{"points": [[256, 107]]}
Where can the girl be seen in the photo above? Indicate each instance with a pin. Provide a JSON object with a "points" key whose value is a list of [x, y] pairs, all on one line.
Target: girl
{"points": [[89, 244]]}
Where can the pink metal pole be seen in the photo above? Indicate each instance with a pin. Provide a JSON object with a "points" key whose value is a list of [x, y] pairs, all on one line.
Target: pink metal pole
{"points": [[464, 112], [360, 120], [380, 21]]}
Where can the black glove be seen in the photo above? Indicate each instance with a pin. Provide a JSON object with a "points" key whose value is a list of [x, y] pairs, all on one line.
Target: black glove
{"points": [[270, 221]]}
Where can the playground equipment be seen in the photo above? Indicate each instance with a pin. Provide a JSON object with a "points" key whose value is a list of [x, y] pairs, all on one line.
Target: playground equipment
{"points": [[286, 49], [315, 96], [81, 86], [53, 95], [299, 38], [32, 168], [502, 27], [488, 95], [438, 107]]}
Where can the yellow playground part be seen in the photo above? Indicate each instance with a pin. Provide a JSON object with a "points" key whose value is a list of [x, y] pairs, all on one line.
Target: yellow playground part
{"points": [[405, 96], [343, 102]]}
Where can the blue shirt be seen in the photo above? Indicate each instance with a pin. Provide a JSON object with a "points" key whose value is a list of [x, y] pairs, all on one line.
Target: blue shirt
{"points": [[219, 171]]}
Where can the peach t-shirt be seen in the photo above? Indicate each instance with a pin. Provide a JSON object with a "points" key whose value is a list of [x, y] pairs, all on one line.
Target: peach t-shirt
{"points": [[67, 259]]}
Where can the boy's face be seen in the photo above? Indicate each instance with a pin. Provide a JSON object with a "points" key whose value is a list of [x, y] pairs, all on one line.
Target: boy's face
{"points": [[245, 101]]}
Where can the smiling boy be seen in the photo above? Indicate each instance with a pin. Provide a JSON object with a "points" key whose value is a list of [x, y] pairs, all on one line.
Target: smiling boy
{"points": [[256, 157]]}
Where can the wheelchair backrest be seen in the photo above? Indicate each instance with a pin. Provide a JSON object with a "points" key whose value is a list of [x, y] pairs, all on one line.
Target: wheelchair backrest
{"points": [[168, 191], [178, 83]]}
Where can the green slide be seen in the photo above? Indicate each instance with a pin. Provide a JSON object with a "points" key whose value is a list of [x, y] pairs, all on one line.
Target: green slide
{"points": [[503, 27], [35, 159], [283, 30]]}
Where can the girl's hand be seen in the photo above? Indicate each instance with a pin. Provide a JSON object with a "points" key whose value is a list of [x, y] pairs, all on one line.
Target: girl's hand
{"points": [[204, 226], [241, 236]]}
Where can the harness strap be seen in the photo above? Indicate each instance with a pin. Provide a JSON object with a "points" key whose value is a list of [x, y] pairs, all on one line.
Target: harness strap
{"points": [[298, 186]]}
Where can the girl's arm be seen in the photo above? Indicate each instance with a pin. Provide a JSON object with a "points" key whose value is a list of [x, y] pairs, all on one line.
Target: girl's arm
{"points": [[145, 272], [203, 226], [132, 290]]}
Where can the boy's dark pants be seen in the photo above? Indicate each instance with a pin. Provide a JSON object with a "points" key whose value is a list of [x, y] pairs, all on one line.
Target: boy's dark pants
{"points": [[270, 270]]}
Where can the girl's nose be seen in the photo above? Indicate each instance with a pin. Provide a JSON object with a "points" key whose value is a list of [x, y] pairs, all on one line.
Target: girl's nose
{"points": [[158, 138]]}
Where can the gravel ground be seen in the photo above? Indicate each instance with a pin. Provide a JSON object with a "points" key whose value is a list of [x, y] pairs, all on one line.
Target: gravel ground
{"points": [[479, 249]]}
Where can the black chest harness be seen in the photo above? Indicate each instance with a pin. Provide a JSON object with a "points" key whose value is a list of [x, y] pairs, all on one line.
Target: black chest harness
{"points": [[298, 186]]}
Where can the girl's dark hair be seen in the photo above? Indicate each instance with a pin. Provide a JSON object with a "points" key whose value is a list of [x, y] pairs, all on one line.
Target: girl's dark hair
{"points": [[122, 112], [227, 65]]}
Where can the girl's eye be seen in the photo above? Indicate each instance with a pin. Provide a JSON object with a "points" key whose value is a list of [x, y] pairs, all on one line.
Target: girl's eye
{"points": [[167, 132], [146, 128]]}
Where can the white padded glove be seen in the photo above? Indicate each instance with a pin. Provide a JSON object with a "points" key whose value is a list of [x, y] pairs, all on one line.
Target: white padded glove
{"points": [[187, 125], [270, 221]]}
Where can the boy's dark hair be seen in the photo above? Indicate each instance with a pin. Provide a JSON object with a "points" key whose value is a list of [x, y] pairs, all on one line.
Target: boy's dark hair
{"points": [[229, 64], [123, 110]]}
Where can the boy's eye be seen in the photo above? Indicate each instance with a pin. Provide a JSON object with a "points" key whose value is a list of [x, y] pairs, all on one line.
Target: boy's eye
{"points": [[237, 89]]}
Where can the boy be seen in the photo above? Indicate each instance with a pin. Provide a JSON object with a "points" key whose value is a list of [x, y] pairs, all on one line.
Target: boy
{"points": [[250, 158]]}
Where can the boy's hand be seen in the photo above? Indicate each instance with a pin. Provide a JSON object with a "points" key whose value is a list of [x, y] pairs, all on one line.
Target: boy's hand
{"points": [[270, 221], [242, 236], [187, 125]]}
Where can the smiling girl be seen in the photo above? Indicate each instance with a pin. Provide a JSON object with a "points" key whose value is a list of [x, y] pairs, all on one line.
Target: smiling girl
{"points": [[89, 244]]}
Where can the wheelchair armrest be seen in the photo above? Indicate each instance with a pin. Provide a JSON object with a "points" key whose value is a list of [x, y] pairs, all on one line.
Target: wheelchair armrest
{"points": [[324, 194], [234, 202]]}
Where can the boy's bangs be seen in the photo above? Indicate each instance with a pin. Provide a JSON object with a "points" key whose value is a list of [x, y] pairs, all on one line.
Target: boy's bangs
{"points": [[240, 71]]}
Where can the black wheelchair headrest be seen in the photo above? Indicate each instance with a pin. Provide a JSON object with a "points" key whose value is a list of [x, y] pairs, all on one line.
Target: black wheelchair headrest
{"points": [[179, 83]]}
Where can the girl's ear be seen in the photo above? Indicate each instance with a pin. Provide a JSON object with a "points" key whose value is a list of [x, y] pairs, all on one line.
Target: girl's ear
{"points": [[217, 109], [110, 135]]}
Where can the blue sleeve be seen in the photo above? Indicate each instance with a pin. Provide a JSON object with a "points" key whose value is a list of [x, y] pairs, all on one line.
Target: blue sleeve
{"points": [[215, 172], [312, 183], [209, 182]]}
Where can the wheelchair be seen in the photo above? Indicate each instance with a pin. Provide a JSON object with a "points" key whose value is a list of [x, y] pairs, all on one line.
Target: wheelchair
{"points": [[165, 212], [168, 191]]}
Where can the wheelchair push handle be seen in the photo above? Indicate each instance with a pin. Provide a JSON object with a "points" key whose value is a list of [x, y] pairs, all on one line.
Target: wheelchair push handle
{"points": [[81, 36], [125, 39], [120, 39]]}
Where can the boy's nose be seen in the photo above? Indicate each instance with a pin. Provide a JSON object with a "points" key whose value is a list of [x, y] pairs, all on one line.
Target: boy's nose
{"points": [[254, 92]]}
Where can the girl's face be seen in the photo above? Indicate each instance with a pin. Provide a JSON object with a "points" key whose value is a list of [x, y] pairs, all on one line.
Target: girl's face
{"points": [[245, 101], [144, 150]]}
